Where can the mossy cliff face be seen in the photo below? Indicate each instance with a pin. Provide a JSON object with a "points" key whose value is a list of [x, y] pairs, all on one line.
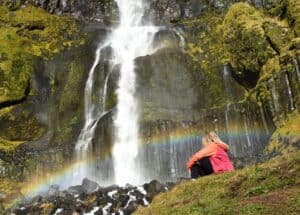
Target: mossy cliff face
{"points": [[246, 42], [286, 138], [26, 33], [205, 47], [28, 37], [276, 66], [260, 45]]}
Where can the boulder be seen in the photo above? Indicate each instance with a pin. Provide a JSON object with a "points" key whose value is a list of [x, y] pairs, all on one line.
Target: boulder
{"points": [[53, 190], [75, 190], [131, 208], [154, 187], [89, 186]]}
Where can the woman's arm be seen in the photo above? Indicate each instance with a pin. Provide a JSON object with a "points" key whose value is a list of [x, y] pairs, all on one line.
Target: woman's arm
{"points": [[207, 151]]}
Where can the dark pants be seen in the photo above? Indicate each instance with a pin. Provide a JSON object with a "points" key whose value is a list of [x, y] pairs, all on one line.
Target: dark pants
{"points": [[201, 168]]}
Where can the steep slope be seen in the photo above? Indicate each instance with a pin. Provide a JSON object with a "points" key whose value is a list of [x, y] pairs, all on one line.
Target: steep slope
{"points": [[269, 188]]}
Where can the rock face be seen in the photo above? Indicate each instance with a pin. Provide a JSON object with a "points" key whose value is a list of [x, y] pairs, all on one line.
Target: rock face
{"points": [[161, 11], [79, 9], [98, 200]]}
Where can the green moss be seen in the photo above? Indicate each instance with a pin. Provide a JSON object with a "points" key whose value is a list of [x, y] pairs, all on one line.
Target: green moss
{"points": [[206, 49], [287, 133], [27, 36], [293, 15], [7, 146], [26, 33], [246, 42], [276, 7], [10, 189], [18, 126], [69, 99], [278, 33], [253, 190], [47, 208], [70, 104]]}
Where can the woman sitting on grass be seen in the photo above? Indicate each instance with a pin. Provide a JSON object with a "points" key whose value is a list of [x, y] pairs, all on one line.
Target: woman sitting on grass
{"points": [[212, 158]]}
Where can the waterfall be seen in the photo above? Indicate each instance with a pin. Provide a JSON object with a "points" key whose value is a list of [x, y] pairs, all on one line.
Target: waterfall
{"points": [[297, 68], [83, 144], [131, 39], [227, 84], [274, 95], [289, 91], [105, 90]]}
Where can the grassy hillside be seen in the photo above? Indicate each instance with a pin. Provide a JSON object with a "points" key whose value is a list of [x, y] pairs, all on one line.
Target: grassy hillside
{"points": [[269, 188]]}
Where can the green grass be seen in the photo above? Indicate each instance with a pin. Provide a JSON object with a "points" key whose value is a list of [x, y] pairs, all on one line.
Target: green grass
{"points": [[269, 188]]}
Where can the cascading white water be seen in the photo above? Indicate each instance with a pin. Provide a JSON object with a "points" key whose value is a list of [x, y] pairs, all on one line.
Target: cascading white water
{"points": [[289, 91], [131, 39], [92, 114]]}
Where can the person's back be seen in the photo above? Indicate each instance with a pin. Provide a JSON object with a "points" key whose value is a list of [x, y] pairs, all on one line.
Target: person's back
{"points": [[212, 158], [220, 161]]}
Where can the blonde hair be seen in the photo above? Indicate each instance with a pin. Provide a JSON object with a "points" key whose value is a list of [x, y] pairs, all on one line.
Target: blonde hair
{"points": [[211, 137], [214, 137]]}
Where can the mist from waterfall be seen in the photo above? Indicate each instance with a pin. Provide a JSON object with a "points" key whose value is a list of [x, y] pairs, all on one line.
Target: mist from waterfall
{"points": [[131, 39]]}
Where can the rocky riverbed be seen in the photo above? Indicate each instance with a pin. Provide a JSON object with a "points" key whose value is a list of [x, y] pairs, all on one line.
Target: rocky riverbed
{"points": [[90, 198]]}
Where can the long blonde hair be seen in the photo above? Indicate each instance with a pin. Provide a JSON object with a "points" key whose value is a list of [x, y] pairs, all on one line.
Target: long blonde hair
{"points": [[211, 137], [214, 137]]}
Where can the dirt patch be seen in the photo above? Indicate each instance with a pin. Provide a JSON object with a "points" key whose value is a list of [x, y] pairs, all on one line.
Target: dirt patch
{"points": [[275, 198], [235, 185]]}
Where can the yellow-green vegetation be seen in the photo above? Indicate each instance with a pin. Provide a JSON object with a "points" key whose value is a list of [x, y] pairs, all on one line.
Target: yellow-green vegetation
{"points": [[206, 48], [26, 33], [253, 38], [10, 190], [69, 99], [27, 36], [7, 146], [268, 188], [293, 14], [246, 42], [286, 135], [47, 208], [22, 126]]}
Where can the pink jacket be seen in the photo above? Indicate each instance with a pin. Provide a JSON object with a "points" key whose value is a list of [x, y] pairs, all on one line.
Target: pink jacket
{"points": [[217, 153]]}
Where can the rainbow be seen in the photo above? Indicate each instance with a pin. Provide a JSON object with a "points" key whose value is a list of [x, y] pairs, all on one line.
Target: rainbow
{"points": [[61, 176]]}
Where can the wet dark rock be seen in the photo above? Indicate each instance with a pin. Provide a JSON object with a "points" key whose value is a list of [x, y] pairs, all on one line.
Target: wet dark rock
{"points": [[53, 190], [110, 188], [123, 199], [36, 200], [131, 208], [78, 189], [89, 186], [77, 199], [154, 187], [99, 212]]}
